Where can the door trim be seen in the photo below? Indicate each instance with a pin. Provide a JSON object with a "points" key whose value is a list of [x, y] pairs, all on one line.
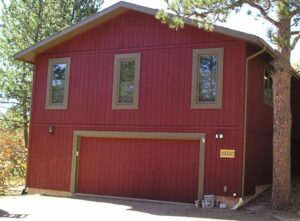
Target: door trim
{"points": [[77, 134]]}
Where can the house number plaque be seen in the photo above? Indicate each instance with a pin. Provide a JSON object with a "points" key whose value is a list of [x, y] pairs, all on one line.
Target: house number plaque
{"points": [[226, 153]]}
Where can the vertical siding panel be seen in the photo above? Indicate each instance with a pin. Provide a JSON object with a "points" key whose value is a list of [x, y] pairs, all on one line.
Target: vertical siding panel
{"points": [[170, 86], [186, 88], [159, 85], [181, 89], [94, 90], [147, 87], [152, 91]]}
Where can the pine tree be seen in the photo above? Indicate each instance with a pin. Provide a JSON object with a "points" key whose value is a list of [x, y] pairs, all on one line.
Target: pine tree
{"points": [[22, 24], [283, 16]]}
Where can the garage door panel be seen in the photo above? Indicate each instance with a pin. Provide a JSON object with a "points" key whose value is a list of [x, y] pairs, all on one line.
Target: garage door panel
{"points": [[139, 168]]}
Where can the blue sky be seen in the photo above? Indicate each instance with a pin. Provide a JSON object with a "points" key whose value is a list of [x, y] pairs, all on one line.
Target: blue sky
{"points": [[240, 21]]}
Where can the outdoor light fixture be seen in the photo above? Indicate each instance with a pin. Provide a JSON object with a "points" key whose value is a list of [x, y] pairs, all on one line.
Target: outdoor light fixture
{"points": [[51, 130], [219, 136]]}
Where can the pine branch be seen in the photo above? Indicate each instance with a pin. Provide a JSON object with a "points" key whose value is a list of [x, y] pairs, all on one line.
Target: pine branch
{"points": [[263, 12], [295, 12], [295, 41], [295, 32]]}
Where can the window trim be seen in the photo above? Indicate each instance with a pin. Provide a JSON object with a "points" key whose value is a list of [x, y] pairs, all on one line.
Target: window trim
{"points": [[219, 93], [266, 101], [116, 80], [49, 105]]}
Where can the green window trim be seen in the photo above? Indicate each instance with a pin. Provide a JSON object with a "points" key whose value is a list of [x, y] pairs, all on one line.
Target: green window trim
{"points": [[126, 81], [207, 78], [57, 90]]}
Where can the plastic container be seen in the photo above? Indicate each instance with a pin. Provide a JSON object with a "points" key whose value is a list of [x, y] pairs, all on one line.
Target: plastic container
{"points": [[202, 203], [222, 205], [209, 201]]}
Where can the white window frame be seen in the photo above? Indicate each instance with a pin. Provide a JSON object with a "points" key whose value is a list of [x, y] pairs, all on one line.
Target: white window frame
{"points": [[116, 81], [219, 90], [51, 63]]}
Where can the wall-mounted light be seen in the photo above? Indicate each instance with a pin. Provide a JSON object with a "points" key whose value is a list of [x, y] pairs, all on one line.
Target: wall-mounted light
{"points": [[51, 130], [219, 136]]}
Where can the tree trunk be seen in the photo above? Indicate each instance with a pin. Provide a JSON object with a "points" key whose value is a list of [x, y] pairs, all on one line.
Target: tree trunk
{"points": [[282, 134]]}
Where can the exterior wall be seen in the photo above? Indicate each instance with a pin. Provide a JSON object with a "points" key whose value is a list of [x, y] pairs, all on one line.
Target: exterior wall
{"points": [[258, 158], [164, 97]]}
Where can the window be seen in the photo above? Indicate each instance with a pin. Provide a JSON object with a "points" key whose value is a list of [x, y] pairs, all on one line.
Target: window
{"points": [[207, 78], [126, 81], [268, 94], [58, 83]]}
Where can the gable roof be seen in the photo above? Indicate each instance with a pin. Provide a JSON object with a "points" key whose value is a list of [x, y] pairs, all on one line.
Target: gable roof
{"points": [[28, 55]]}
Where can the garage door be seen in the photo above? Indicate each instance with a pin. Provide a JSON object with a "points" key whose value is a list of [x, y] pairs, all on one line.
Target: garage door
{"points": [[139, 168]]}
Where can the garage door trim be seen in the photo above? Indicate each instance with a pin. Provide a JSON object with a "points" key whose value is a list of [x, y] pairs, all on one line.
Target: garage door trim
{"points": [[77, 134]]}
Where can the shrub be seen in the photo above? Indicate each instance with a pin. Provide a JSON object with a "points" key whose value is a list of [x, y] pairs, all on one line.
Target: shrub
{"points": [[12, 158]]}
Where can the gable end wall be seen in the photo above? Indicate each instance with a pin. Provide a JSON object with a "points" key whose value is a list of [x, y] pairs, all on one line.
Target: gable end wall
{"points": [[164, 98]]}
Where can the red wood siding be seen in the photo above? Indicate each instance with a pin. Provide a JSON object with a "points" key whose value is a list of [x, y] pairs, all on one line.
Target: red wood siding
{"points": [[50, 158], [148, 169], [164, 99], [258, 168]]}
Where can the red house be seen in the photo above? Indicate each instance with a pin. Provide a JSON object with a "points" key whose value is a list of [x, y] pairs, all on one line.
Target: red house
{"points": [[124, 106]]}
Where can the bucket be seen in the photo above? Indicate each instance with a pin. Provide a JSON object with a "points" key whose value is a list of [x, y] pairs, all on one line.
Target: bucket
{"points": [[209, 201], [197, 203]]}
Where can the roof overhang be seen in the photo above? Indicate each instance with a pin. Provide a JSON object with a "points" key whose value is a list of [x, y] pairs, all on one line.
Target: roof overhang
{"points": [[29, 54]]}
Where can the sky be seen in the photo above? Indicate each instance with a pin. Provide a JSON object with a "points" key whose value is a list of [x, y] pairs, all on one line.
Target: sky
{"points": [[240, 21]]}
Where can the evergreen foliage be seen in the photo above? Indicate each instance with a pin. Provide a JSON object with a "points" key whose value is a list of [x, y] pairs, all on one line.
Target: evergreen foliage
{"points": [[22, 24]]}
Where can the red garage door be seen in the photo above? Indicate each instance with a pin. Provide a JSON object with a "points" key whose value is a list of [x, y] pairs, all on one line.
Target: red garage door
{"points": [[139, 168]]}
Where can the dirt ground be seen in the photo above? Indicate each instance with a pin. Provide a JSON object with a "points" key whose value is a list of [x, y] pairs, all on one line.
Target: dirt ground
{"points": [[262, 205], [36, 207]]}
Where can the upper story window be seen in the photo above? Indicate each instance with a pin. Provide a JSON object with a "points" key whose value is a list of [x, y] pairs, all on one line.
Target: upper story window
{"points": [[58, 83], [126, 81], [207, 79], [268, 93]]}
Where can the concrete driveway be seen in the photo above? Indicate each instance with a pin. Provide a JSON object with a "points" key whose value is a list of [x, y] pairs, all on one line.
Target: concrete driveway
{"points": [[36, 207]]}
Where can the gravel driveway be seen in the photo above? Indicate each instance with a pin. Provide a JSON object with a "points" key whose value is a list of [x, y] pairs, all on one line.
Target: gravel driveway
{"points": [[36, 207]]}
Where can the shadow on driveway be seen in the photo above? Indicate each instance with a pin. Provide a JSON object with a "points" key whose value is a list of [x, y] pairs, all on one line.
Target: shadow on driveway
{"points": [[175, 210], [4, 214]]}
